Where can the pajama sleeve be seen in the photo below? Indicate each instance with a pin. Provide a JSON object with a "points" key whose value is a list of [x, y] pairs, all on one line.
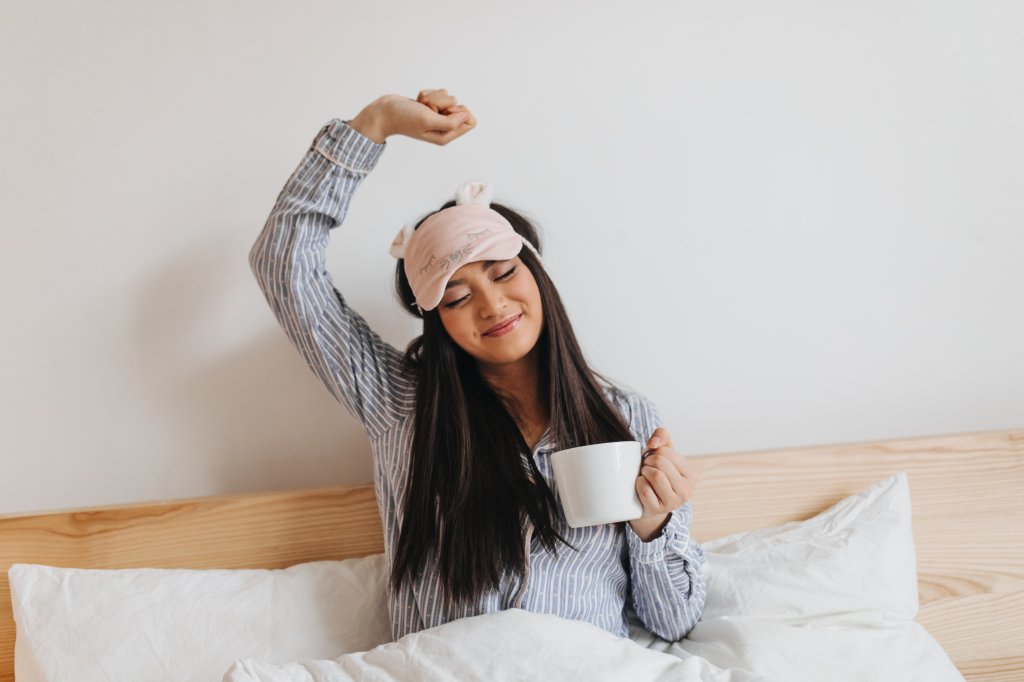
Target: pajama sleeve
{"points": [[353, 362], [666, 580]]}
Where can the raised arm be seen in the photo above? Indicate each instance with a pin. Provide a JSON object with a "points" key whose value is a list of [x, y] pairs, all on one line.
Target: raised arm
{"points": [[359, 368]]}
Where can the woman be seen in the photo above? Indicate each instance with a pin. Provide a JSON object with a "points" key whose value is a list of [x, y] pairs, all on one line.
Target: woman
{"points": [[462, 424]]}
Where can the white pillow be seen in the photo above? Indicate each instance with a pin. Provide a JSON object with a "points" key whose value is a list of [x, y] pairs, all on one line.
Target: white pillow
{"points": [[831, 597], [86, 625], [856, 556]]}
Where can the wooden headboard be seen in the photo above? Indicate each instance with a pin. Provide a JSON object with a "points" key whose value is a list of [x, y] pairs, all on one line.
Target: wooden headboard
{"points": [[966, 490]]}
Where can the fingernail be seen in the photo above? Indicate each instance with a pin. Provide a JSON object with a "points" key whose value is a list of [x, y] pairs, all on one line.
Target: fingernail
{"points": [[655, 442]]}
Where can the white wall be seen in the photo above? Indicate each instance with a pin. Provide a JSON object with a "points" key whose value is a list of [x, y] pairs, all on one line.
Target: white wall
{"points": [[802, 220]]}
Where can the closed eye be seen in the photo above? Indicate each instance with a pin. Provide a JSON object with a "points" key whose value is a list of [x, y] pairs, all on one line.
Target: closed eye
{"points": [[506, 276]]}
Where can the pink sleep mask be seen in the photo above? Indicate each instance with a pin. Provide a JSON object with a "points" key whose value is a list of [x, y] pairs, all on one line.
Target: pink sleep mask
{"points": [[467, 232]]}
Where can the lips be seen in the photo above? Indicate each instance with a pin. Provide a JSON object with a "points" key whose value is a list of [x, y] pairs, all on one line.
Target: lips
{"points": [[501, 326]]}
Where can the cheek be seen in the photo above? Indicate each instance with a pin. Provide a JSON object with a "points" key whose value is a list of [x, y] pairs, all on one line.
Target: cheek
{"points": [[451, 324], [532, 293], [459, 325]]}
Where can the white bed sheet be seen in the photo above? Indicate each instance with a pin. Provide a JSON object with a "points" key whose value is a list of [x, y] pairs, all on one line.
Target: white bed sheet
{"points": [[507, 645], [519, 645]]}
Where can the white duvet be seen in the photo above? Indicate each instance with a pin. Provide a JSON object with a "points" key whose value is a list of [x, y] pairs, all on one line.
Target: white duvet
{"points": [[519, 645], [508, 645]]}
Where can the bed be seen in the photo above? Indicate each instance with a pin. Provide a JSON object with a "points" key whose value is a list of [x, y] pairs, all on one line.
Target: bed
{"points": [[967, 530]]}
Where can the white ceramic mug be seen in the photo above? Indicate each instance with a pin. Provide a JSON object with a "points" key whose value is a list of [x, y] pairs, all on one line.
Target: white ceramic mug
{"points": [[597, 483]]}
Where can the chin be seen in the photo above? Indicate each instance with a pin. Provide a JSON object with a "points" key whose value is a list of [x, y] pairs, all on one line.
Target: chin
{"points": [[513, 346]]}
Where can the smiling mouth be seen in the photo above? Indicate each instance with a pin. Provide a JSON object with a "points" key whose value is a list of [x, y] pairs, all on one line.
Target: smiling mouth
{"points": [[503, 326]]}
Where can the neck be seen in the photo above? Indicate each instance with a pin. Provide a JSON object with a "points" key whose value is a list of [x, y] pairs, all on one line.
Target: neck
{"points": [[519, 386]]}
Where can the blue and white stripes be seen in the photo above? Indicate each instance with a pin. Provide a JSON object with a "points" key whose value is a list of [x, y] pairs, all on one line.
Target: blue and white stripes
{"points": [[364, 373]]}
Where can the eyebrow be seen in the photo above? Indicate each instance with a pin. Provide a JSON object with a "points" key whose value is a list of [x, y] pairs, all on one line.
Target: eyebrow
{"points": [[488, 264]]}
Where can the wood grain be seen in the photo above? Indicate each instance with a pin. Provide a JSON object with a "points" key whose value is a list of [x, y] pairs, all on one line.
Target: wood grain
{"points": [[967, 525], [964, 489]]}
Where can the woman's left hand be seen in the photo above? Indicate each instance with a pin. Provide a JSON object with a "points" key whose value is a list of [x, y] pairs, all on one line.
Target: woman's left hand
{"points": [[665, 483]]}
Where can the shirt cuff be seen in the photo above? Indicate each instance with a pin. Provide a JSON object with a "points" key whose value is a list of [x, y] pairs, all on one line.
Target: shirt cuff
{"points": [[343, 145], [674, 538]]}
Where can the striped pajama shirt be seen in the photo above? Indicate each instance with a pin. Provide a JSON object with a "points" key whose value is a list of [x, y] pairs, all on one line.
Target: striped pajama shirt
{"points": [[661, 579]]}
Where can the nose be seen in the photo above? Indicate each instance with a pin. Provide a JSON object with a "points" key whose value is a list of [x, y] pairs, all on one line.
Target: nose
{"points": [[492, 302]]}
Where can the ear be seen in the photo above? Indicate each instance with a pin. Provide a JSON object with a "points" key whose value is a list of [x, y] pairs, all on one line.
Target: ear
{"points": [[401, 239], [475, 192]]}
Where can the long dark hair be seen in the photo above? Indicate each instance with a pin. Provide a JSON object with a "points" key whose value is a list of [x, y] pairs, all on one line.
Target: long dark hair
{"points": [[472, 480]]}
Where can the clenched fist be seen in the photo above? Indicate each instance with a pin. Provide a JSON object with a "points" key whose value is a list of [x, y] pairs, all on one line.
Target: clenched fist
{"points": [[434, 116], [665, 483]]}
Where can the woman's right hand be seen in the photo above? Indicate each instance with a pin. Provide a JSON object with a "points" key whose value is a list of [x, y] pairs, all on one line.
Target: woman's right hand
{"points": [[434, 116]]}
